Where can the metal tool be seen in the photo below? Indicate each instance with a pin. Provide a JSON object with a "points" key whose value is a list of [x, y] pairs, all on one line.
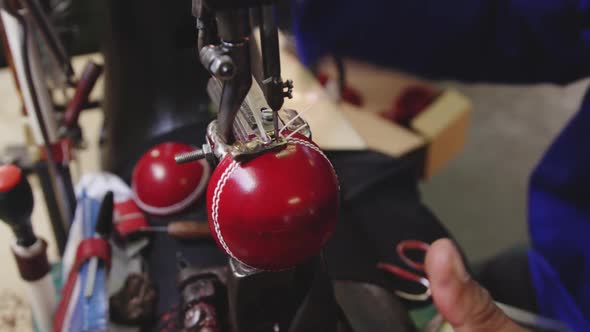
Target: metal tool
{"points": [[402, 248], [225, 39], [22, 21], [104, 228], [70, 126], [183, 230], [49, 36], [30, 252]]}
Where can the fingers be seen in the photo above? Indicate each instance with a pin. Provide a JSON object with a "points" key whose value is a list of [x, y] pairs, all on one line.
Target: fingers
{"points": [[460, 300]]}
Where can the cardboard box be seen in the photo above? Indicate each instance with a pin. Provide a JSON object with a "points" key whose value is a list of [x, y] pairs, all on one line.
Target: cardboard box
{"points": [[440, 130]]}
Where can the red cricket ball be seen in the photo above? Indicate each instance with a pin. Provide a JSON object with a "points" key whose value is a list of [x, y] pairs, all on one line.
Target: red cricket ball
{"points": [[277, 210], [161, 186]]}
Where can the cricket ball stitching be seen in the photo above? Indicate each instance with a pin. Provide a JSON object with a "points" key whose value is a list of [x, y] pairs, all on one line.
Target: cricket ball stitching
{"points": [[216, 196], [221, 184]]}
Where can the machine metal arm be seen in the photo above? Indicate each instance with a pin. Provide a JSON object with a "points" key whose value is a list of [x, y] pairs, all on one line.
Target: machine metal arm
{"points": [[229, 59], [234, 32]]}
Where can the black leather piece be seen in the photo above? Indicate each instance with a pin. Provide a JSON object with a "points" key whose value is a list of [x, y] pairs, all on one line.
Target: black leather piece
{"points": [[372, 308], [381, 206], [161, 257], [318, 310]]}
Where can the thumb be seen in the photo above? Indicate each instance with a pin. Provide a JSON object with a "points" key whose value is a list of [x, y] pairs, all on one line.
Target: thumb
{"points": [[459, 299]]}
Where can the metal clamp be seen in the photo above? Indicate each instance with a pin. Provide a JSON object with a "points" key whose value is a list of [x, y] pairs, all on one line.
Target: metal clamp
{"points": [[218, 62]]}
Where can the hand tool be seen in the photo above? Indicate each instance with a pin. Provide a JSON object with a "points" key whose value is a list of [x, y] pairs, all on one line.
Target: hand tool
{"points": [[183, 230], [104, 227], [89, 240], [86, 83], [402, 248], [49, 36], [518, 315], [54, 174], [30, 252]]}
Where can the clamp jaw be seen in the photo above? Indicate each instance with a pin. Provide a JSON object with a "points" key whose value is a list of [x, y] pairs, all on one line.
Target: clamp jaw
{"points": [[250, 120]]}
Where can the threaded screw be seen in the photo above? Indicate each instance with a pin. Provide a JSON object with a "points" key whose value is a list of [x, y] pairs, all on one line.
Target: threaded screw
{"points": [[187, 157]]}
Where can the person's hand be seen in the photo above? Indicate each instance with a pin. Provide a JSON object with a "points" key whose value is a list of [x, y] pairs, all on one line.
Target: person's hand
{"points": [[461, 300]]}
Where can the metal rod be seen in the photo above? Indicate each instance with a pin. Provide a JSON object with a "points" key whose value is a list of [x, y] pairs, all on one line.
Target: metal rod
{"points": [[43, 110], [53, 210], [271, 61], [55, 46], [188, 157], [234, 31]]}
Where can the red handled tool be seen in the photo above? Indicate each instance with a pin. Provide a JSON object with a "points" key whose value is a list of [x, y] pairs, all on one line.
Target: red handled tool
{"points": [[30, 252], [84, 87], [184, 230], [402, 248]]}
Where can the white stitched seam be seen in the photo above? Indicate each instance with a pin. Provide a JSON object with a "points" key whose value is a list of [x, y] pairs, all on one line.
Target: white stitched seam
{"points": [[221, 183], [215, 207], [314, 147], [177, 207], [309, 145]]}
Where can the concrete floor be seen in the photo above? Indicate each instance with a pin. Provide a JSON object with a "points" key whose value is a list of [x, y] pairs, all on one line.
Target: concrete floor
{"points": [[481, 196]]}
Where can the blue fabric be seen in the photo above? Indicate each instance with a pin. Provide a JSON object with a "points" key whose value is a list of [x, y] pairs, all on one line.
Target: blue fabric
{"points": [[90, 314], [559, 222], [557, 301], [490, 40]]}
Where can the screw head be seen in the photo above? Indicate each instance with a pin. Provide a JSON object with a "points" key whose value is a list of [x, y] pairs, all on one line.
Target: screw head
{"points": [[267, 114], [226, 70]]}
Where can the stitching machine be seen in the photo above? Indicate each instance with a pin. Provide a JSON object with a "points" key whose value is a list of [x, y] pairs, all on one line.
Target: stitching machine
{"points": [[265, 159]]}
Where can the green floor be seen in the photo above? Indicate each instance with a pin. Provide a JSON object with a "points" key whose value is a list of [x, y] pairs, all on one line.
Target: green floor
{"points": [[481, 196]]}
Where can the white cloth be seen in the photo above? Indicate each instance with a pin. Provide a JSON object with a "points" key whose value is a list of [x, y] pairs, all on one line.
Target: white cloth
{"points": [[95, 185]]}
